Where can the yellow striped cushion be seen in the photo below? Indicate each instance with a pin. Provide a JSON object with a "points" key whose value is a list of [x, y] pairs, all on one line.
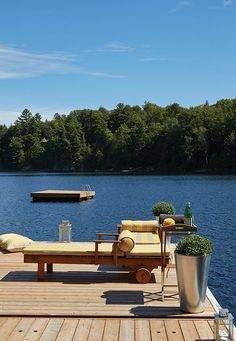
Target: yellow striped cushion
{"points": [[146, 238], [146, 250], [139, 225], [126, 241]]}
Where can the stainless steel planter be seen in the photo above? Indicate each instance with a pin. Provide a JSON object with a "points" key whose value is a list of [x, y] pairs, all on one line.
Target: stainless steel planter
{"points": [[192, 276]]}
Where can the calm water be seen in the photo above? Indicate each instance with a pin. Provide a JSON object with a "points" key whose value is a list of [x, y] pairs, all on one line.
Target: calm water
{"points": [[128, 197]]}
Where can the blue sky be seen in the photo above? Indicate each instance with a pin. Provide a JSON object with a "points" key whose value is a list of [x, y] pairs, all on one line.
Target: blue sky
{"points": [[60, 55]]}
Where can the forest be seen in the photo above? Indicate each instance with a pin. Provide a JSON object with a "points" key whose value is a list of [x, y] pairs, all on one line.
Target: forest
{"points": [[151, 138]]}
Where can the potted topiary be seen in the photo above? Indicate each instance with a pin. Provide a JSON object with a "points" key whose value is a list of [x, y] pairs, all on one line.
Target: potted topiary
{"points": [[163, 207], [192, 257]]}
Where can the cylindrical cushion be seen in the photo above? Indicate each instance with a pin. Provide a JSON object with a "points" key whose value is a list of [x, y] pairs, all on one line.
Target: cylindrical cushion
{"points": [[126, 241], [168, 221], [139, 225], [178, 218]]}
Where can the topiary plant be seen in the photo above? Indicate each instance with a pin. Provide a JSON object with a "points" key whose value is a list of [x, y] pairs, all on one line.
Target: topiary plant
{"points": [[194, 245], [163, 207]]}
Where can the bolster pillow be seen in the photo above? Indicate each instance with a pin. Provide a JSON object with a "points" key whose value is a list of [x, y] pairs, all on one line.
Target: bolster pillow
{"points": [[126, 241], [139, 225], [178, 218]]}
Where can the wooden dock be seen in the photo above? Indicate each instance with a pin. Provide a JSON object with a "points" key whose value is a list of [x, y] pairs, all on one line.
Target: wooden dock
{"points": [[90, 302], [62, 195], [91, 329]]}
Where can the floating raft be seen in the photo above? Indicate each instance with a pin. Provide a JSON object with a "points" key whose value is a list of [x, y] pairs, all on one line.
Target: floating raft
{"points": [[62, 195]]}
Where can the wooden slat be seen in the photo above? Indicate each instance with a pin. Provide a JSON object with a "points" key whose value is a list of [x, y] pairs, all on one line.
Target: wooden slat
{"points": [[126, 330], [21, 329], [83, 329], [2, 319], [173, 330], [67, 330], [36, 329], [158, 331], [7, 327], [203, 329], [96, 330], [111, 332], [188, 330], [142, 330], [52, 330]]}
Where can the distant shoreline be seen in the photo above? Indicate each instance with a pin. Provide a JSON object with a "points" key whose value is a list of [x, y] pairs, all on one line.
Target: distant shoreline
{"points": [[121, 172]]}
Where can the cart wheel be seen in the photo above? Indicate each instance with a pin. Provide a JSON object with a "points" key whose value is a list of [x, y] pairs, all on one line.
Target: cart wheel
{"points": [[143, 275]]}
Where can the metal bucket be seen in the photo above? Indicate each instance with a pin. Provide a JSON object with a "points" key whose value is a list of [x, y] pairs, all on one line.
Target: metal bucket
{"points": [[192, 276]]}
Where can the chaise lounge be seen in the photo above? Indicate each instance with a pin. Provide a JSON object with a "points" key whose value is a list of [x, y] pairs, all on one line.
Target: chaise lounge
{"points": [[138, 251]]}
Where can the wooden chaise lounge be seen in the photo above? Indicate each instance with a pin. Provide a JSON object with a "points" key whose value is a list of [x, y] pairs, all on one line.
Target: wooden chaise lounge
{"points": [[122, 251]]}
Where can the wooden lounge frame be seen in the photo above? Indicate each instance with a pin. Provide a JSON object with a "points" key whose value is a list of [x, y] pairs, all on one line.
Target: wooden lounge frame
{"points": [[141, 265]]}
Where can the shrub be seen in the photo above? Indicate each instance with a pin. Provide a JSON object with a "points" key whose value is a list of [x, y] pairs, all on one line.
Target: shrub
{"points": [[194, 245], [163, 207]]}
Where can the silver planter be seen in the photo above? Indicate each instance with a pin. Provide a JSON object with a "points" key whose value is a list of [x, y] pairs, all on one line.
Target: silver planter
{"points": [[192, 276]]}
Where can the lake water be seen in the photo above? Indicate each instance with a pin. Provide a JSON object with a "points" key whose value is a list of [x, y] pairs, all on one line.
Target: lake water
{"points": [[128, 197]]}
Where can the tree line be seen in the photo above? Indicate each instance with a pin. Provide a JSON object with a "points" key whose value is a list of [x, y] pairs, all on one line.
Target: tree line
{"points": [[148, 138]]}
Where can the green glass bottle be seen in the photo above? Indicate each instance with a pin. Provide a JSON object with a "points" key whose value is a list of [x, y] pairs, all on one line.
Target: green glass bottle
{"points": [[188, 216]]}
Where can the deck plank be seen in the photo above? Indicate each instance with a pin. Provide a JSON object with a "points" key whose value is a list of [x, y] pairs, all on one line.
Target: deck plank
{"points": [[82, 330], [173, 330], [111, 332], [188, 330], [2, 320], [96, 330], [21, 329], [36, 329], [52, 330], [67, 330], [142, 330], [203, 329], [158, 331], [7, 327], [126, 330]]}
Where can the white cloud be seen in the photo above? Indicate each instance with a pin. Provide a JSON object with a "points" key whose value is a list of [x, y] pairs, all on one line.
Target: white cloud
{"points": [[228, 3], [112, 47], [152, 59], [181, 5], [118, 47], [100, 74], [16, 63]]}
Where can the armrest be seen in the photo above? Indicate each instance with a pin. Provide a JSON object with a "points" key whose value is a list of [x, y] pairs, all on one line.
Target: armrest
{"points": [[101, 234], [99, 241]]}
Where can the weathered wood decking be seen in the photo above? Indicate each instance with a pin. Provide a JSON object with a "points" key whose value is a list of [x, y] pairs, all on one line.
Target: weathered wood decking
{"points": [[62, 195], [84, 329], [83, 290], [88, 302]]}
